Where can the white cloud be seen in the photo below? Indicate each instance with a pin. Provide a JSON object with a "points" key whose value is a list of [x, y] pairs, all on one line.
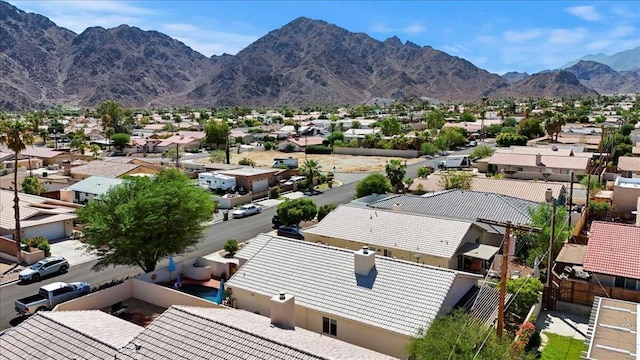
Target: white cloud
{"points": [[521, 36], [621, 31], [216, 43], [486, 38], [455, 48], [567, 36], [179, 27], [587, 13], [598, 45], [381, 28], [415, 28]]}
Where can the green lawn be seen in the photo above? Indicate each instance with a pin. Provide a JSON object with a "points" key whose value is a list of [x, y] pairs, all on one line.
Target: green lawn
{"points": [[562, 348]]}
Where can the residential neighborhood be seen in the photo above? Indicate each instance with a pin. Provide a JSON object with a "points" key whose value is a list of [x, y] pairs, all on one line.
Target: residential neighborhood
{"points": [[290, 238]]}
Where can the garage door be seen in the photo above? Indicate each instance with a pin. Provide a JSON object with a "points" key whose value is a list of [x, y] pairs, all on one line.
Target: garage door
{"points": [[50, 231], [260, 185]]}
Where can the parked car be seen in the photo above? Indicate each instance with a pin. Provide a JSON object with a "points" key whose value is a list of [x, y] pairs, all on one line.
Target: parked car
{"points": [[47, 266], [312, 192], [473, 143], [51, 295], [290, 231], [246, 210]]}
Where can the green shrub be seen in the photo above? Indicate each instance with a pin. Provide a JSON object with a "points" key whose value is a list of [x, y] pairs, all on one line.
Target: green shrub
{"points": [[324, 210], [269, 146], [599, 206], [40, 243], [231, 246], [275, 192], [247, 161], [318, 149], [424, 171]]}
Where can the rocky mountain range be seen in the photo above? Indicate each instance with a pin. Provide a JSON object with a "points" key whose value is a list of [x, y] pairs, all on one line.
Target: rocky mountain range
{"points": [[306, 62], [628, 60]]}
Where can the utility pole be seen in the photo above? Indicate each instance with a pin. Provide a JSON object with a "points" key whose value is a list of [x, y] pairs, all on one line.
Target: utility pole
{"points": [[549, 197], [177, 155], [505, 264], [227, 149], [570, 202]]}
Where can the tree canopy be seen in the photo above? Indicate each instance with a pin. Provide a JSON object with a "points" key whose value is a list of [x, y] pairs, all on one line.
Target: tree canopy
{"points": [[31, 185], [217, 132], [120, 140], [396, 171], [146, 219], [458, 336], [292, 212], [373, 184], [456, 180], [538, 243], [508, 139], [112, 115]]}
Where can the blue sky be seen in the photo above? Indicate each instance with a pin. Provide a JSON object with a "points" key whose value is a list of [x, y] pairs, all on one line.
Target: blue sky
{"points": [[498, 36]]}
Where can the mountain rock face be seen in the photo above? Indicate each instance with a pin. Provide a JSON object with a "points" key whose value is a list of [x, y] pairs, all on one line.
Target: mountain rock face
{"points": [[550, 85], [306, 62], [514, 76], [604, 79], [628, 60]]}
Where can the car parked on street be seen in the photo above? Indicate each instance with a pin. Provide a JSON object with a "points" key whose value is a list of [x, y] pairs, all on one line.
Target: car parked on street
{"points": [[45, 267], [51, 295], [290, 231], [246, 210]]}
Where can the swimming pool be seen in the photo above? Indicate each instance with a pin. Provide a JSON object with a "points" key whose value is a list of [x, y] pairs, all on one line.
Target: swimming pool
{"points": [[200, 291]]}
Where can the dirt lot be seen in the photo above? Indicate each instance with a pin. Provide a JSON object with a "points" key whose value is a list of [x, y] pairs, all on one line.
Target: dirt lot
{"points": [[343, 163]]}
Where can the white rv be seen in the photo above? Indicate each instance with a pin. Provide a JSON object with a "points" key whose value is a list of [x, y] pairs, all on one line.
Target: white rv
{"points": [[215, 181], [456, 162], [289, 162]]}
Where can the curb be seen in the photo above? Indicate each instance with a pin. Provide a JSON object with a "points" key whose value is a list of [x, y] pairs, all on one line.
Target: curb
{"points": [[11, 269], [7, 283]]}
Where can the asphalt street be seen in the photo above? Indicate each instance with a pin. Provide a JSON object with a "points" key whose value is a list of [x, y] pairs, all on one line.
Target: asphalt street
{"points": [[239, 229]]}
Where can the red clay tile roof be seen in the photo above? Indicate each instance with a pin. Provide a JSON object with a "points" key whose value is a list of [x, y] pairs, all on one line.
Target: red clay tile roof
{"points": [[613, 249]]}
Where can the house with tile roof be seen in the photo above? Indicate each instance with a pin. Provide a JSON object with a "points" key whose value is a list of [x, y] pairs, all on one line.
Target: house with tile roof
{"points": [[371, 301], [521, 189], [534, 166], [465, 205], [39, 216], [300, 143], [612, 255], [185, 140], [629, 166], [403, 235], [48, 156], [111, 169], [180, 333]]}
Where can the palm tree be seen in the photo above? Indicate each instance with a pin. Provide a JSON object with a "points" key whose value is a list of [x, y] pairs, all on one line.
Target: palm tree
{"points": [[16, 135], [310, 168], [396, 172]]}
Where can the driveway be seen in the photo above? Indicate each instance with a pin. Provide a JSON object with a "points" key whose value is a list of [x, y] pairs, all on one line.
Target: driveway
{"points": [[563, 324]]}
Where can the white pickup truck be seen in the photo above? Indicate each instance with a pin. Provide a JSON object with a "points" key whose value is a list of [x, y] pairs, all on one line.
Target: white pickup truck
{"points": [[51, 295]]}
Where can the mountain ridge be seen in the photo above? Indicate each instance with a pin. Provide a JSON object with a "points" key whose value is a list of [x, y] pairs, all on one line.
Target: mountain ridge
{"points": [[305, 62]]}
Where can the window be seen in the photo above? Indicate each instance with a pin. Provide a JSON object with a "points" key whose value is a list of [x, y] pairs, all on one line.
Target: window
{"points": [[387, 253], [520, 169], [329, 326], [623, 282]]}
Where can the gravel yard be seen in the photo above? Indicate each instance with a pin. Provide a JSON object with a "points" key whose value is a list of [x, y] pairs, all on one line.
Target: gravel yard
{"points": [[343, 163]]}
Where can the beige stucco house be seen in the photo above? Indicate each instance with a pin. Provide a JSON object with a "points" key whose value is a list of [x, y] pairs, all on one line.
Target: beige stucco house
{"points": [[371, 301], [534, 166], [402, 235]]}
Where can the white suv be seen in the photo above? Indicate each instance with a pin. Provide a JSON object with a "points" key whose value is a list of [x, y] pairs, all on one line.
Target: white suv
{"points": [[44, 267]]}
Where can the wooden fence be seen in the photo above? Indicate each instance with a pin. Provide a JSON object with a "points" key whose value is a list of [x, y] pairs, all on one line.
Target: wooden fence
{"points": [[582, 292]]}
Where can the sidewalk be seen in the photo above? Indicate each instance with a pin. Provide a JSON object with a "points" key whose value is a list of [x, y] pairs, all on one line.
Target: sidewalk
{"points": [[73, 251]]}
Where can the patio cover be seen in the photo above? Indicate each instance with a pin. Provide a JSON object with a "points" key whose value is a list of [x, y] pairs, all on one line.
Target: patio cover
{"points": [[572, 254], [478, 251]]}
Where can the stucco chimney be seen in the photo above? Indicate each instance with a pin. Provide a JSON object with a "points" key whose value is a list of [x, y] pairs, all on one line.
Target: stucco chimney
{"points": [[364, 261], [397, 207], [283, 311], [538, 159]]}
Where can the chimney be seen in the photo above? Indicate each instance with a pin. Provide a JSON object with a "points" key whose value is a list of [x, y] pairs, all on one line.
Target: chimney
{"points": [[66, 166], [538, 159], [397, 207], [283, 311], [364, 261]]}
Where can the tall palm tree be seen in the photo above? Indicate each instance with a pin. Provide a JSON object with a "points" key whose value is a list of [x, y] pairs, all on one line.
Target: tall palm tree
{"points": [[310, 168], [16, 135]]}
